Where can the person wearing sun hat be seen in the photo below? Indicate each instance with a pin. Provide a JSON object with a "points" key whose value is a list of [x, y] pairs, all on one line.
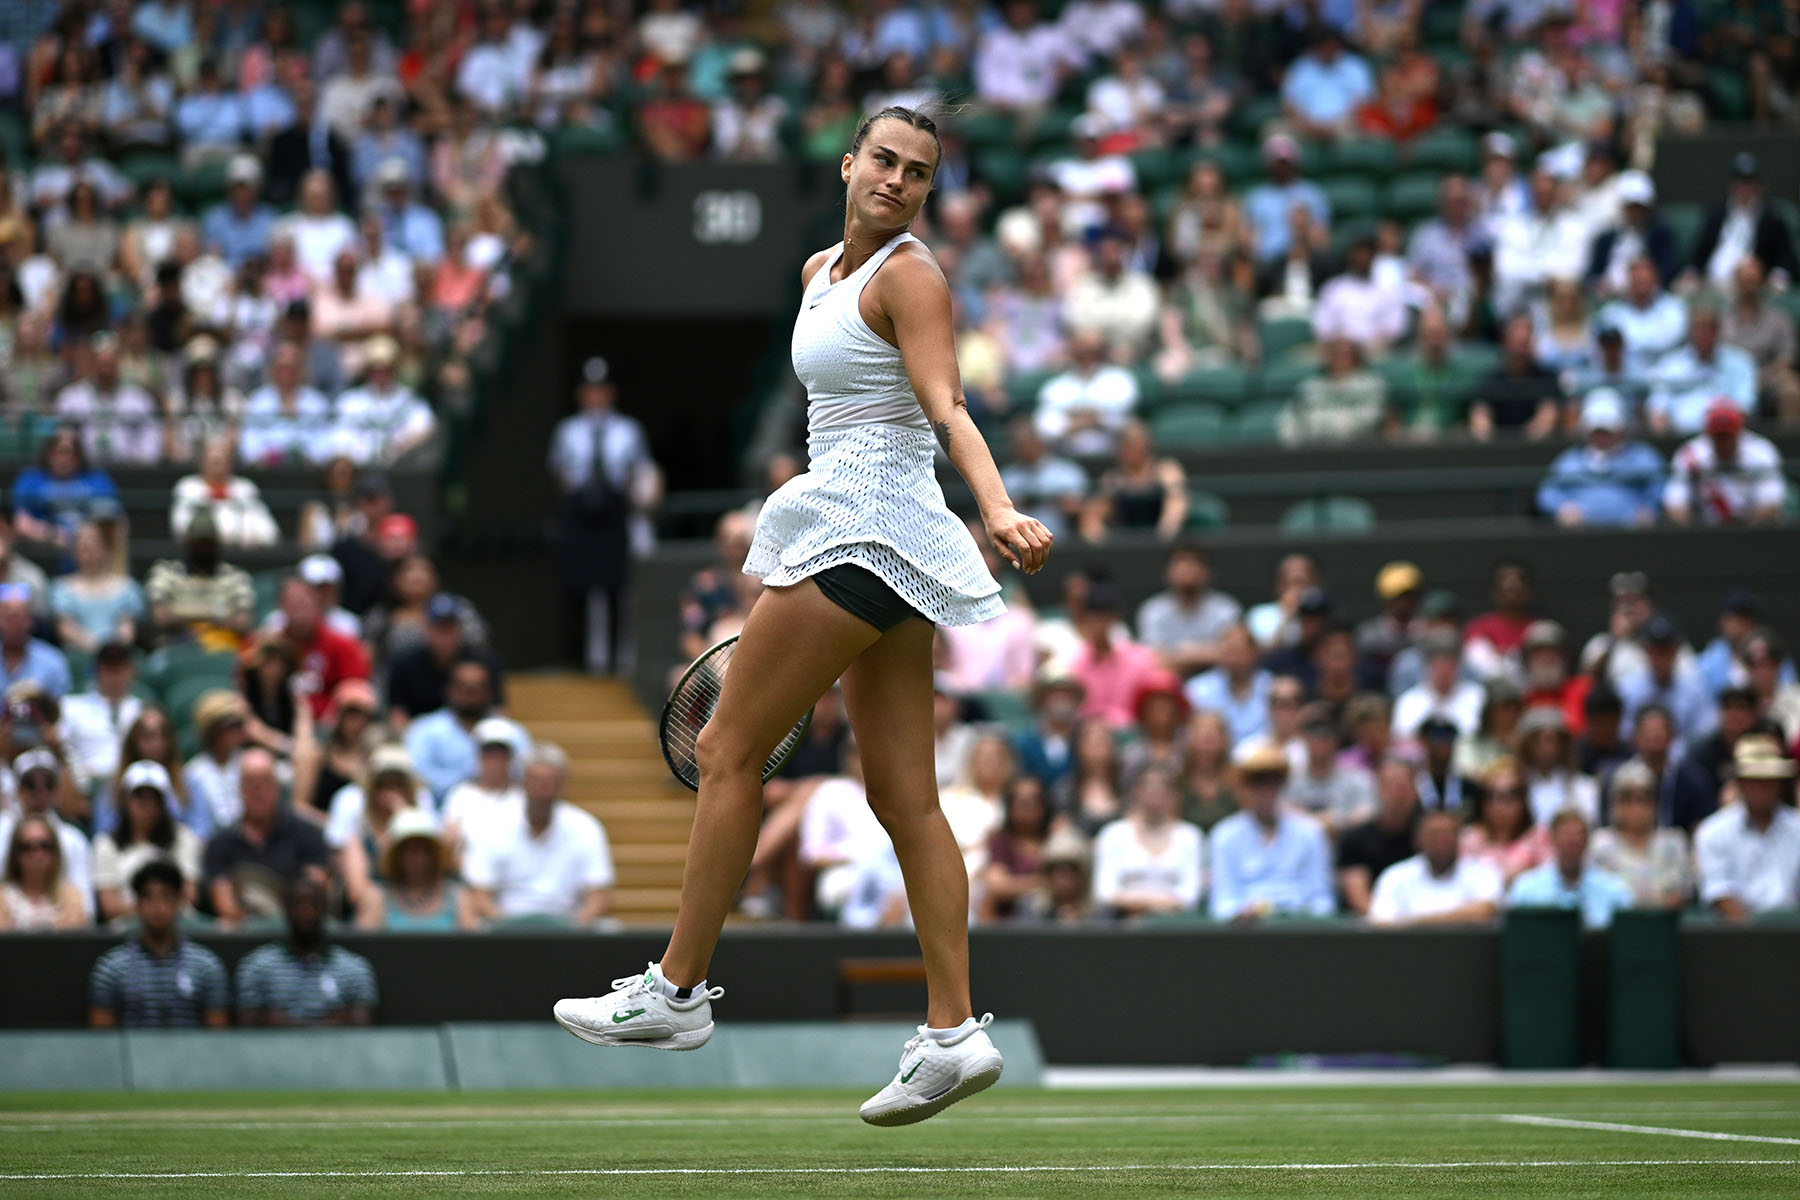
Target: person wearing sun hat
{"points": [[220, 718], [1748, 853], [1726, 475], [417, 893], [381, 420]]}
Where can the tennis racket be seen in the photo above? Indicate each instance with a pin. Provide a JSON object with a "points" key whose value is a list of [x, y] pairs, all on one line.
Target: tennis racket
{"points": [[690, 707]]}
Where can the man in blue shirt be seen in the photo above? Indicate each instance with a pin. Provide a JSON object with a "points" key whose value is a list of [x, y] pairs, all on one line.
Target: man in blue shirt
{"points": [[1266, 860], [209, 118], [408, 226], [23, 658], [239, 226], [1325, 86], [158, 979], [1670, 683], [442, 743], [1267, 204], [1237, 688], [1567, 881], [1689, 380], [1607, 480]]}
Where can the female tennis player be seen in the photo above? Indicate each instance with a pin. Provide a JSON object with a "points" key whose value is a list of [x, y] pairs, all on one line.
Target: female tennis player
{"points": [[860, 556]]}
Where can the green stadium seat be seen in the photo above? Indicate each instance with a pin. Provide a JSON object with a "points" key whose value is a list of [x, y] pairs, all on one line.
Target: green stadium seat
{"points": [[1350, 198], [1253, 114], [1053, 129], [1004, 170], [15, 138], [983, 128], [1329, 514], [580, 139], [179, 699], [199, 187], [1788, 211], [1348, 230], [1258, 423], [1206, 511], [1226, 386], [141, 168], [1151, 392], [1441, 24], [1410, 196], [174, 665], [1237, 161], [1163, 201], [1024, 387], [1188, 427], [1279, 335], [1727, 95], [1685, 221], [1155, 167], [1007, 708], [1367, 158], [1280, 380], [1449, 151]]}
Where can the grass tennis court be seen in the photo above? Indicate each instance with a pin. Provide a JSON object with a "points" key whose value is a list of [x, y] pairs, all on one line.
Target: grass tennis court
{"points": [[1662, 1139]]}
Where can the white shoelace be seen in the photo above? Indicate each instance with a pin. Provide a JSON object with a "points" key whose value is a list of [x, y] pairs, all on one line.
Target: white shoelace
{"points": [[639, 985]]}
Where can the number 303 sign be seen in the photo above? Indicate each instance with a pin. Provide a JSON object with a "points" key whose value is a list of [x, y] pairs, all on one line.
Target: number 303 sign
{"points": [[727, 217]]}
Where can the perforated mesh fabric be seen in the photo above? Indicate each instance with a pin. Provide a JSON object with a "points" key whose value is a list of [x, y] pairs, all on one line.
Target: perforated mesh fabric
{"points": [[870, 498]]}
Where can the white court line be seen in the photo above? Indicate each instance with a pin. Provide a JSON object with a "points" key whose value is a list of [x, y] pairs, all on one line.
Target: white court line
{"points": [[1609, 1127], [1103, 1169]]}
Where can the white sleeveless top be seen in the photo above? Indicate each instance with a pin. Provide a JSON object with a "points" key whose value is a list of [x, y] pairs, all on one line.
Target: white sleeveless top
{"points": [[852, 375], [870, 495]]}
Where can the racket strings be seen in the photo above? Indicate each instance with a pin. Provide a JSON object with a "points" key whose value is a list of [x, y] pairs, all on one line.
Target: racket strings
{"points": [[692, 706]]}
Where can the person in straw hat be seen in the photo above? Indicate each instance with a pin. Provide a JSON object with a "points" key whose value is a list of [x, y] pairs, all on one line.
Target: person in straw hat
{"points": [[416, 893], [1748, 853]]}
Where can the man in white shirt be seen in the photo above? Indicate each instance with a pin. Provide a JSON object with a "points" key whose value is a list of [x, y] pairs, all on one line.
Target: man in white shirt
{"points": [[287, 420], [494, 795], [492, 74], [1184, 622], [1442, 693], [94, 722], [1748, 853], [1082, 410], [1020, 64], [119, 420], [1651, 321], [1102, 28], [1335, 792], [1690, 380], [1532, 248], [1354, 306], [554, 860], [839, 834], [1090, 177], [382, 420], [1726, 476], [1114, 299], [1435, 886]]}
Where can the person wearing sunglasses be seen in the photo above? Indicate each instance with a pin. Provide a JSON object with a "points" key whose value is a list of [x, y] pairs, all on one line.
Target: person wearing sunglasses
{"points": [[35, 893], [38, 779]]}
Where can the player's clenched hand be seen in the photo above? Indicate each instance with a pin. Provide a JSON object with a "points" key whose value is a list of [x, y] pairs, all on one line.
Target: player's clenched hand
{"points": [[1021, 540]]}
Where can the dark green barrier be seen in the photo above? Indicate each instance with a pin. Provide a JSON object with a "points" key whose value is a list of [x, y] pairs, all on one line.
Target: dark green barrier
{"points": [[1644, 991], [1540, 972]]}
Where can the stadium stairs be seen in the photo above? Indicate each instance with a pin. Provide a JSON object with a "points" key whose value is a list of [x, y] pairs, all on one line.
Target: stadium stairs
{"points": [[616, 772]]}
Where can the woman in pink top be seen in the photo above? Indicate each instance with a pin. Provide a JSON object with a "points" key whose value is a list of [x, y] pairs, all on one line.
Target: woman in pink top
{"points": [[1503, 833]]}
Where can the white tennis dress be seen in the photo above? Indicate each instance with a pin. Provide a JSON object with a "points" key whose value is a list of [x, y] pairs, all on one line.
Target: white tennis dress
{"points": [[870, 495]]}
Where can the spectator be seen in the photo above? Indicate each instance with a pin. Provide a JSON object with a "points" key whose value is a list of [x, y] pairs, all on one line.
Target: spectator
{"points": [[1083, 409], [552, 862], [1568, 881], [674, 124], [1564, 341], [1236, 687], [1702, 773], [240, 227], [1018, 66], [1368, 849], [1504, 834], [417, 894], [383, 139], [43, 787], [1185, 622], [1436, 886], [1545, 241], [1347, 403], [1748, 853], [1014, 868], [16, 568], [1547, 754], [1654, 863], [94, 721], [407, 225], [199, 597], [1337, 792], [1689, 382], [1089, 794], [1669, 682], [1046, 750], [348, 726], [1607, 481], [1491, 640], [1358, 307], [1324, 87], [135, 105], [1312, 618], [382, 420], [23, 658], [36, 895], [249, 866], [474, 804], [1493, 739], [117, 418], [147, 832], [1367, 719], [1127, 100], [1437, 255], [418, 675], [1544, 663], [1652, 322], [319, 231], [1519, 396], [1114, 299], [1614, 654], [304, 980], [1767, 671], [53, 499], [1110, 669], [286, 420], [1744, 225], [1046, 485], [158, 979], [1269, 204], [1727, 475], [1207, 779], [361, 814], [234, 501], [1276, 622], [212, 775], [149, 738], [1754, 325], [747, 125], [1440, 787], [1741, 613], [1067, 897], [1266, 860], [1380, 639], [1442, 693], [1150, 861], [53, 178], [1160, 712], [86, 238], [1140, 492], [999, 653], [210, 120], [442, 743], [326, 656]]}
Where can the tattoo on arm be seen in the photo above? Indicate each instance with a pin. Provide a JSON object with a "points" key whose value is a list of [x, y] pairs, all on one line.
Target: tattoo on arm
{"points": [[942, 430]]}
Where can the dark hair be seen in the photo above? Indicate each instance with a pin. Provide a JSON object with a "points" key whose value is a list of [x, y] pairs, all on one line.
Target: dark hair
{"points": [[157, 870], [1655, 710], [913, 117], [1191, 550], [66, 434], [1046, 812], [1603, 701], [13, 873], [162, 832], [130, 753]]}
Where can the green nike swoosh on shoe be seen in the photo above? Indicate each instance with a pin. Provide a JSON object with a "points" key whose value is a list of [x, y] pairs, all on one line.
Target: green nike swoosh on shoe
{"points": [[621, 1018], [907, 1078]]}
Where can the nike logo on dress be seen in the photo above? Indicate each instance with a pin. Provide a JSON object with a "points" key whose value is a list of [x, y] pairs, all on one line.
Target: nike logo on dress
{"points": [[621, 1018], [907, 1078]]}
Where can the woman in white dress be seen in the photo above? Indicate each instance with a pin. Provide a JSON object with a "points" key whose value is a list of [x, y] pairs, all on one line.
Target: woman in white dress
{"points": [[860, 557]]}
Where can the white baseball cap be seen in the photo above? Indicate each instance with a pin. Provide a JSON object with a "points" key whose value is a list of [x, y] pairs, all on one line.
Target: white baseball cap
{"points": [[146, 774], [320, 569], [1603, 409], [498, 731], [1635, 187]]}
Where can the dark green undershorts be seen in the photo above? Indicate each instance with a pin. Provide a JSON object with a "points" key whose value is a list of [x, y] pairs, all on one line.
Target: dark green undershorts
{"points": [[862, 593]]}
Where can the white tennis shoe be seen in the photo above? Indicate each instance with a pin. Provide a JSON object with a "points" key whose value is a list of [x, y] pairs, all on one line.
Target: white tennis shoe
{"points": [[933, 1075], [636, 1013]]}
